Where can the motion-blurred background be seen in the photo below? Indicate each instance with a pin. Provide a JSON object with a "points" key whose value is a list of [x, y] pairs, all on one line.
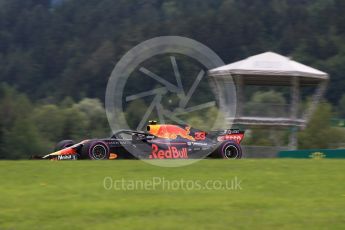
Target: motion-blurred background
{"points": [[56, 58]]}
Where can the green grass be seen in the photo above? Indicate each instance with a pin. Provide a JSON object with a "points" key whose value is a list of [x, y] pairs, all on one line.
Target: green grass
{"points": [[275, 194]]}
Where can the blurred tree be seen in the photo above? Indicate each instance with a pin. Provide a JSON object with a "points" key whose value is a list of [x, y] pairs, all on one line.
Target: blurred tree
{"points": [[341, 107], [13, 106], [268, 103], [271, 104], [94, 110], [27, 129], [319, 133], [75, 124], [51, 49], [21, 141], [49, 121], [135, 111], [19, 137], [66, 102]]}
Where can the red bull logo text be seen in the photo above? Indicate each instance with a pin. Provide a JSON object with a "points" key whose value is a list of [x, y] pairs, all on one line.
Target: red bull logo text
{"points": [[171, 153]]}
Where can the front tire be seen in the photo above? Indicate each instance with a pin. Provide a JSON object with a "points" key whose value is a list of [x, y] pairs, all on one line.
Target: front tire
{"points": [[95, 150]]}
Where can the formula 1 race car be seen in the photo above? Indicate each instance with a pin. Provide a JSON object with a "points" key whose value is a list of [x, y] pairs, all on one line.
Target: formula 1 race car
{"points": [[158, 142]]}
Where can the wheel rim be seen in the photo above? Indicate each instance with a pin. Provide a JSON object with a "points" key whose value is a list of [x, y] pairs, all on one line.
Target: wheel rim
{"points": [[99, 152], [231, 152]]}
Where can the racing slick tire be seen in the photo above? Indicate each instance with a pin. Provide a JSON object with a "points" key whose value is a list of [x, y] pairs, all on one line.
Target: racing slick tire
{"points": [[63, 144], [95, 150], [229, 150]]}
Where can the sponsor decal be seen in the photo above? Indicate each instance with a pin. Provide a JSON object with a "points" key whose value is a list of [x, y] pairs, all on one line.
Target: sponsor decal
{"points": [[67, 157], [232, 131], [119, 142], [200, 144], [171, 153], [317, 155], [233, 137], [200, 135], [113, 156]]}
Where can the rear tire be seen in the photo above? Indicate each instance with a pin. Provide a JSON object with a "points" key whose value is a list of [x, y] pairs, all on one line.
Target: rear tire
{"points": [[63, 144], [95, 150], [229, 150]]}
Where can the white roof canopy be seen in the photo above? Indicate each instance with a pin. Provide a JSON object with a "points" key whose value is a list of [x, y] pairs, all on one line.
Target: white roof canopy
{"points": [[270, 64], [273, 69]]}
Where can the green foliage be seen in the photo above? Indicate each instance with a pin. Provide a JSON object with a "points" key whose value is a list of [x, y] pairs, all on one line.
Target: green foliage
{"points": [[97, 125], [19, 137], [27, 129], [69, 49], [135, 112], [270, 96], [266, 137], [21, 141], [49, 120], [319, 133], [266, 103], [207, 119], [341, 107], [66, 102], [75, 124], [13, 106]]}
